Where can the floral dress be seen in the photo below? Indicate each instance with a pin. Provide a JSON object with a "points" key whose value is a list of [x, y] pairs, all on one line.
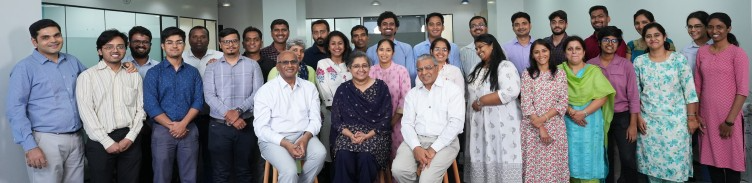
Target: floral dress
{"points": [[665, 89]]}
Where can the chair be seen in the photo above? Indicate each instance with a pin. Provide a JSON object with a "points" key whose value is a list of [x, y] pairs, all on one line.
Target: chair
{"points": [[275, 173]]}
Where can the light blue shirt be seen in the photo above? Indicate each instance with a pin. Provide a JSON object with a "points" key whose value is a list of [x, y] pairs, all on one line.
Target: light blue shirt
{"points": [[403, 55], [228, 87], [41, 97], [425, 48], [690, 51], [142, 69], [518, 54]]}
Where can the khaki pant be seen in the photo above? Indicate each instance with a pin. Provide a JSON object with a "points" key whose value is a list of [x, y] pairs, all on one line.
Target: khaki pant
{"points": [[404, 166], [65, 158]]}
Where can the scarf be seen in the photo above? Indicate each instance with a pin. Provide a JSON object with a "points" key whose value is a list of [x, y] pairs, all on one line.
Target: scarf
{"points": [[593, 85]]}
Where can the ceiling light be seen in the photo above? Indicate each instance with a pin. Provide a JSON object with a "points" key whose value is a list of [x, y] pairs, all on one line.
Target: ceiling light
{"points": [[375, 3], [465, 2], [491, 1], [226, 3]]}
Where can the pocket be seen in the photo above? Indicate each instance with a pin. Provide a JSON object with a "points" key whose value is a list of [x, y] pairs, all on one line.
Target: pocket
{"points": [[130, 95]]}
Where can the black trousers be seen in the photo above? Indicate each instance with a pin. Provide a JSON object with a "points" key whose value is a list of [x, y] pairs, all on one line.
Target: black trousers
{"points": [[233, 151], [617, 141], [122, 167], [355, 167], [724, 175]]}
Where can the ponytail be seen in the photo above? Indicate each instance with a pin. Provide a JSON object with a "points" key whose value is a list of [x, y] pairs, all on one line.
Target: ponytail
{"points": [[732, 39]]}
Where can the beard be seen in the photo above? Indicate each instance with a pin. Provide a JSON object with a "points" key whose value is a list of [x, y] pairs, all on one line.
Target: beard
{"points": [[560, 32], [137, 54], [320, 42]]}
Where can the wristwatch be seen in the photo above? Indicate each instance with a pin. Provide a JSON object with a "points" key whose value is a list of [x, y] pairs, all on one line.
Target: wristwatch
{"points": [[239, 110], [729, 123]]}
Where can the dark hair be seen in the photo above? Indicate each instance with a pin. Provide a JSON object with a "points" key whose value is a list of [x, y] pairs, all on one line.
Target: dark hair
{"points": [[199, 27], [109, 35], [598, 7], [171, 31], [610, 31], [699, 15], [345, 41], [385, 15], [645, 13], [391, 43], [434, 14], [723, 17], [449, 47], [279, 22], [496, 57], [520, 14], [469, 23], [139, 30], [41, 24], [357, 54], [558, 13], [227, 31], [320, 22], [666, 44], [533, 70], [576, 39], [252, 29], [356, 27]]}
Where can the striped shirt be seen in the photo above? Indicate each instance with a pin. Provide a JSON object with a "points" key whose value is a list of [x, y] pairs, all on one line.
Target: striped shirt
{"points": [[227, 87], [110, 100]]}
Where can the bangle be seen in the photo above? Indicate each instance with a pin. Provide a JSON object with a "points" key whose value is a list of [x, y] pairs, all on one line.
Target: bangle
{"points": [[586, 114], [728, 123], [692, 114], [477, 101]]}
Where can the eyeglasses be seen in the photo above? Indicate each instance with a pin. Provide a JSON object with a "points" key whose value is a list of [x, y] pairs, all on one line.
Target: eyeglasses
{"points": [[607, 40], [229, 42], [440, 49], [361, 66], [174, 42], [147, 43], [474, 26], [427, 68], [111, 47], [695, 27], [288, 62]]}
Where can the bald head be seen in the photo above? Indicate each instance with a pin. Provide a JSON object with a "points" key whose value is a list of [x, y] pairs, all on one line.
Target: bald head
{"points": [[288, 65], [286, 54]]}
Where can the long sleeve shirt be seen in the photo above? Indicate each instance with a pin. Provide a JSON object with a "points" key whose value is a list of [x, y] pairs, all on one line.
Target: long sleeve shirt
{"points": [[621, 73], [518, 54], [403, 55], [438, 112], [282, 109], [425, 48], [469, 59], [328, 78], [41, 97], [172, 92], [109, 100], [228, 87]]}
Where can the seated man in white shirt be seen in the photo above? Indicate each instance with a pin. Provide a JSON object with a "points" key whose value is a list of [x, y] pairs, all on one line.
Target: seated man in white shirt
{"points": [[287, 122], [433, 117]]}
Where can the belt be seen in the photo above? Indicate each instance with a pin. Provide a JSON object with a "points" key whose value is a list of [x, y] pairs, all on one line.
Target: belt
{"points": [[61, 133]]}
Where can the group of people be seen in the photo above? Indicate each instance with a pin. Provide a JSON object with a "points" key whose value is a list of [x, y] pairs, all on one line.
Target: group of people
{"points": [[529, 110]]}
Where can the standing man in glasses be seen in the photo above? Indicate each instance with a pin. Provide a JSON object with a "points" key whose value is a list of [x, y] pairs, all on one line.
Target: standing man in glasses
{"points": [[478, 26], [173, 96], [229, 87], [287, 122], [403, 52], [110, 102], [434, 28]]}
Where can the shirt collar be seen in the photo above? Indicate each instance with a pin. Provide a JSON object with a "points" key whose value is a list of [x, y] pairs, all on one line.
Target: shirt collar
{"points": [[617, 60], [102, 65], [240, 58], [149, 61], [166, 63], [209, 52], [518, 41], [694, 45], [283, 84], [39, 58], [438, 83]]}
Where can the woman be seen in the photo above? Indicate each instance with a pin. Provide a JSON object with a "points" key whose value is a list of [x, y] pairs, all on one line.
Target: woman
{"points": [[544, 103], [306, 72], [696, 23], [668, 114], [440, 50], [494, 140], [722, 82], [330, 73], [622, 133], [396, 77], [361, 114], [591, 106], [638, 46]]}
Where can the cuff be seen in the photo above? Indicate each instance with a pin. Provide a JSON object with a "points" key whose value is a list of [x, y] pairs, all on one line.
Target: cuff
{"points": [[107, 142], [29, 144], [438, 145], [277, 139], [132, 134]]}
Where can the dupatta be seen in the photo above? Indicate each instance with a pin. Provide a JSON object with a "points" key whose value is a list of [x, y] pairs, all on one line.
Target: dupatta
{"points": [[593, 85]]}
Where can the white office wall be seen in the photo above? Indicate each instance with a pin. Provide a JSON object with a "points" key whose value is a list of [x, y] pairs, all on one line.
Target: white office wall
{"points": [[361, 8], [15, 44], [206, 9], [241, 14]]}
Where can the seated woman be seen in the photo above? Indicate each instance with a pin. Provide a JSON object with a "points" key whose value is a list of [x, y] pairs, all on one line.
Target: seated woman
{"points": [[361, 129]]}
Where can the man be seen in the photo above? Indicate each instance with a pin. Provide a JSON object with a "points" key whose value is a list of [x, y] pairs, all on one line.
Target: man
{"points": [[319, 32], [287, 122], [140, 44], [252, 44], [558, 23], [229, 85], [359, 35], [403, 52], [173, 96], [110, 102], [280, 32], [434, 27], [478, 26], [518, 49], [42, 110], [599, 19], [200, 55], [433, 118]]}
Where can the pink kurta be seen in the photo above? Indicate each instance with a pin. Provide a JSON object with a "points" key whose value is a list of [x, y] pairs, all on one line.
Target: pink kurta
{"points": [[398, 81], [544, 162], [719, 78]]}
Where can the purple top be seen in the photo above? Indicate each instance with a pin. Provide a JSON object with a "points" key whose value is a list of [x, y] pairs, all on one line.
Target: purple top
{"points": [[621, 74], [518, 54]]}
